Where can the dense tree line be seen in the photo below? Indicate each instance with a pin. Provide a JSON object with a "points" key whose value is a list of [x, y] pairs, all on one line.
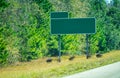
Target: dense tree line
{"points": [[107, 21], [25, 28]]}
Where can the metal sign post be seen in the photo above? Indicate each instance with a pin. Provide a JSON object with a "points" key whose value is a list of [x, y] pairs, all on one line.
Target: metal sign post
{"points": [[87, 47], [59, 48]]}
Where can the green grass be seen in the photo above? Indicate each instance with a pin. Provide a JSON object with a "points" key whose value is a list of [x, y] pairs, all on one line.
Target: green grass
{"points": [[40, 69]]}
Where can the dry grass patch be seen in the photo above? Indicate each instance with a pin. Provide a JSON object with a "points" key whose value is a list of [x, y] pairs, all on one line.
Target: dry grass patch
{"points": [[40, 69]]}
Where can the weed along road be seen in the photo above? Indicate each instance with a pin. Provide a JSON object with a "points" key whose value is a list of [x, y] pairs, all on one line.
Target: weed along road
{"points": [[108, 71]]}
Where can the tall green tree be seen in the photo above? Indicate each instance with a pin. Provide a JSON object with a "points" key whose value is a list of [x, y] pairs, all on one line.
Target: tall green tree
{"points": [[3, 51], [113, 25], [98, 40]]}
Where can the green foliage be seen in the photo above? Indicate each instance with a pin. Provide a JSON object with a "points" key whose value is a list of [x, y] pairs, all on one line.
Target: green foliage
{"points": [[44, 4], [107, 22], [71, 44], [3, 52], [112, 20], [52, 44], [3, 4], [98, 40], [25, 27]]}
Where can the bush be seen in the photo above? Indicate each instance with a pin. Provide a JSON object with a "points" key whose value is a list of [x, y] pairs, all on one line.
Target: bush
{"points": [[3, 52]]}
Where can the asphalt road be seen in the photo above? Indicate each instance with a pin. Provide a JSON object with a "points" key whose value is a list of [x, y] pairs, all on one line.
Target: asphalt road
{"points": [[108, 71]]}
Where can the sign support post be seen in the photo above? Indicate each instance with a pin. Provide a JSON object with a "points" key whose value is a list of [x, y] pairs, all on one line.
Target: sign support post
{"points": [[59, 48], [87, 47]]}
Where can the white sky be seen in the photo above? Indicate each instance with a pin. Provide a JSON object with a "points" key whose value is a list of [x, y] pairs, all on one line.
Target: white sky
{"points": [[108, 1]]}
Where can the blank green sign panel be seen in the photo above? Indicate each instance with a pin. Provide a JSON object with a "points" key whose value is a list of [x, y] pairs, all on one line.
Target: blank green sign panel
{"points": [[72, 25], [59, 15]]}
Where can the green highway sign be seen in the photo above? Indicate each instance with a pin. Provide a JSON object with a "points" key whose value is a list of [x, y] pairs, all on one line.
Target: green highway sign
{"points": [[72, 25], [61, 24], [59, 15]]}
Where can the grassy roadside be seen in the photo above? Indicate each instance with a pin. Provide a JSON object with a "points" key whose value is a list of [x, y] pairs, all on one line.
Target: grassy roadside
{"points": [[40, 69]]}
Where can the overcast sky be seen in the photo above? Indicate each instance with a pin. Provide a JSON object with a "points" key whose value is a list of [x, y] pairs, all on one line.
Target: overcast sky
{"points": [[108, 1]]}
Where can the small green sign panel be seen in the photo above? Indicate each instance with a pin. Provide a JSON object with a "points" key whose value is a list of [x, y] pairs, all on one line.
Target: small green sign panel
{"points": [[59, 15], [72, 25]]}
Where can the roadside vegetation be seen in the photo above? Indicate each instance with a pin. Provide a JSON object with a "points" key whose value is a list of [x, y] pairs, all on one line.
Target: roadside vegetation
{"points": [[25, 29], [26, 42], [41, 69]]}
